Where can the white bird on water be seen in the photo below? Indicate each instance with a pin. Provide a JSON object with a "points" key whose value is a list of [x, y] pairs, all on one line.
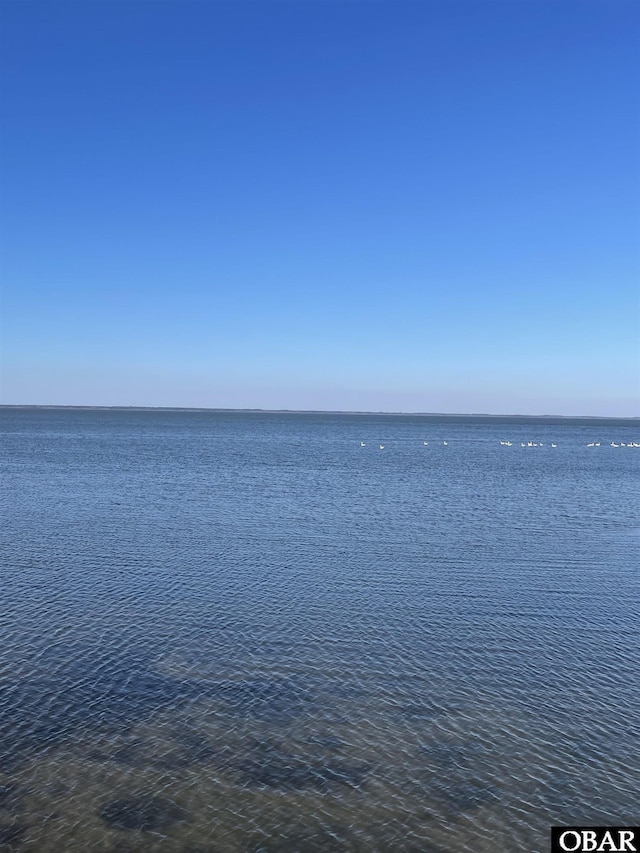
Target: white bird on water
{"points": [[382, 447], [362, 444], [445, 443], [425, 443]]}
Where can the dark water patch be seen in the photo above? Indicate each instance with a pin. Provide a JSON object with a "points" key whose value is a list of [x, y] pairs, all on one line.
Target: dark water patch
{"points": [[146, 812], [451, 756], [450, 776], [420, 711], [330, 743], [270, 700], [9, 796], [11, 834], [459, 797], [295, 775], [194, 748], [104, 690], [166, 750], [270, 766], [131, 752]]}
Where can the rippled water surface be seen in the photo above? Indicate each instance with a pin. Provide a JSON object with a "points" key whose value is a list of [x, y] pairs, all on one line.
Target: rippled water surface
{"points": [[238, 633]]}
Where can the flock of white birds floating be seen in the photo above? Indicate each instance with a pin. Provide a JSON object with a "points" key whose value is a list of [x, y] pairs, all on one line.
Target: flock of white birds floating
{"points": [[534, 444]]}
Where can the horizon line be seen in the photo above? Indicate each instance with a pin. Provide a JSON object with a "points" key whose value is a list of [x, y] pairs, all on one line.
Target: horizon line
{"points": [[308, 411]]}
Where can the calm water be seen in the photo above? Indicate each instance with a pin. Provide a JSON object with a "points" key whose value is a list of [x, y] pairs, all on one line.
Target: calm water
{"points": [[245, 632]]}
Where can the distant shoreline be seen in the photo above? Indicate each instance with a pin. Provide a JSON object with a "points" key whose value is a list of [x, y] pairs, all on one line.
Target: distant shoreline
{"points": [[424, 415]]}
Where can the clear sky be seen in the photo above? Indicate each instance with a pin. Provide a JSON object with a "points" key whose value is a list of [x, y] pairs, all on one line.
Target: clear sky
{"points": [[322, 204]]}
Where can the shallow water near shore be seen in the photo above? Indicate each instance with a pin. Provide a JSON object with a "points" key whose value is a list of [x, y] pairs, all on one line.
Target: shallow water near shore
{"points": [[244, 632]]}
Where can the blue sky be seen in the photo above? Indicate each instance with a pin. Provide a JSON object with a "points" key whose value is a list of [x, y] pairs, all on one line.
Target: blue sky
{"points": [[322, 204]]}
